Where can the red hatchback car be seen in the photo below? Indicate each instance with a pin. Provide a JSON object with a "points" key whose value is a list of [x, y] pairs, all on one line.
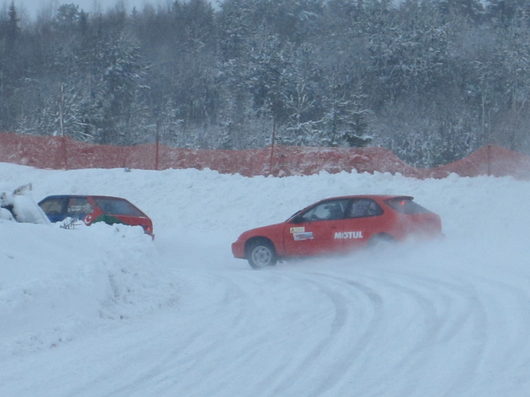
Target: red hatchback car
{"points": [[337, 225], [91, 209]]}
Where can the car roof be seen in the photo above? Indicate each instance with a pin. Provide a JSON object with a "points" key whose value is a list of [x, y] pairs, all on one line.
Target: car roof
{"points": [[372, 196], [96, 196], [377, 197], [82, 195]]}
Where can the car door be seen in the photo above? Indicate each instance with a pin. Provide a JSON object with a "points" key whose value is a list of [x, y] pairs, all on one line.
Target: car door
{"points": [[312, 232], [363, 219]]}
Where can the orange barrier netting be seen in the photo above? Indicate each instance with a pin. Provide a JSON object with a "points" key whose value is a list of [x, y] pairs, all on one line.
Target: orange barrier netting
{"points": [[65, 153]]}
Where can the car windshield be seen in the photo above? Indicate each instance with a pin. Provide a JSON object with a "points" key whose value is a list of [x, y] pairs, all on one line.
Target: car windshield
{"points": [[52, 206], [115, 206], [405, 205], [294, 215]]}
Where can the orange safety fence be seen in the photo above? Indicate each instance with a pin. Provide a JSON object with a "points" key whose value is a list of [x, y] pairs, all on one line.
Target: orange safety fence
{"points": [[65, 153]]}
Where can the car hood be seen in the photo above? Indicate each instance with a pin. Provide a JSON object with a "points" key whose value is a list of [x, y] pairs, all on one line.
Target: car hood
{"points": [[264, 231]]}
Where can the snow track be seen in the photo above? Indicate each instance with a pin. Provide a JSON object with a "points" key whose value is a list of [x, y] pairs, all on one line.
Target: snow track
{"points": [[180, 317], [311, 329]]}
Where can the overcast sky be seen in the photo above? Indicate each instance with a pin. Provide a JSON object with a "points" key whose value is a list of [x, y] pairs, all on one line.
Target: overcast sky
{"points": [[35, 7]]}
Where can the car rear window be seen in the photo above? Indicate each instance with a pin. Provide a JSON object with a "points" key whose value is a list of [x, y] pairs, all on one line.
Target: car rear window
{"points": [[406, 205], [117, 207]]}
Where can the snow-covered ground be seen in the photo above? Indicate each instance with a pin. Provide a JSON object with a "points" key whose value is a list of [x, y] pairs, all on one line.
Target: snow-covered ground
{"points": [[106, 311]]}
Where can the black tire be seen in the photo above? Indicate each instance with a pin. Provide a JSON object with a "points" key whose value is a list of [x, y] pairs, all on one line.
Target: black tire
{"points": [[261, 254]]}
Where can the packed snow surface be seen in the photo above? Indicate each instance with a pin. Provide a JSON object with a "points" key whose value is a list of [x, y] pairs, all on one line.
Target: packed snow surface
{"points": [[107, 311]]}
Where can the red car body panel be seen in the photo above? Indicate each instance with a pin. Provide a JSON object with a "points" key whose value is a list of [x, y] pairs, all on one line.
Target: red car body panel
{"points": [[99, 215], [305, 237], [108, 209]]}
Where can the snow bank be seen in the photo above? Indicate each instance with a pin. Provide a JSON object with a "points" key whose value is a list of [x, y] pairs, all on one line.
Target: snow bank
{"points": [[56, 284]]}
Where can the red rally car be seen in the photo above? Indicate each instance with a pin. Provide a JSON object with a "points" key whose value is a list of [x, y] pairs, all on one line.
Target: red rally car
{"points": [[91, 209], [337, 225]]}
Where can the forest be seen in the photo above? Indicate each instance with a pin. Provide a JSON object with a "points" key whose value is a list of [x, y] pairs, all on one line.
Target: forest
{"points": [[431, 80]]}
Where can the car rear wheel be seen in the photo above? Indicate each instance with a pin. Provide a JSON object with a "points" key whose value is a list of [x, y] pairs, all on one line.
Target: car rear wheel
{"points": [[381, 240], [261, 253]]}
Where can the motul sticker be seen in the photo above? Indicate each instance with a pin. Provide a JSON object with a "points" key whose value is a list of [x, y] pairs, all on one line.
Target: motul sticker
{"points": [[303, 236], [298, 229], [348, 235]]}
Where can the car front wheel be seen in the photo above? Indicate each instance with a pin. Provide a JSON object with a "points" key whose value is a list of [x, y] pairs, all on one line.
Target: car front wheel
{"points": [[261, 254]]}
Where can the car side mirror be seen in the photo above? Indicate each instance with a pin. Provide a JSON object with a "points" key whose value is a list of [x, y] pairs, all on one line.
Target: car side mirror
{"points": [[297, 219]]}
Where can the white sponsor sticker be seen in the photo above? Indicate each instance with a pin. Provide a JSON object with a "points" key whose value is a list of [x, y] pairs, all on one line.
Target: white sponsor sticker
{"points": [[298, 229], [348, 235], [303, 236]]}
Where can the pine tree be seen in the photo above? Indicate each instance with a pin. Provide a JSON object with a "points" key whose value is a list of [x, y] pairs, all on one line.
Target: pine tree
{"points": [[11, 68]]}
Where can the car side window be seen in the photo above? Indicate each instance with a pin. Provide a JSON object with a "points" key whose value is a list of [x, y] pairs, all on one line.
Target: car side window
{"points": [[363, 207], [112, 206], [78, 207], [52, 206], [328, 210]]}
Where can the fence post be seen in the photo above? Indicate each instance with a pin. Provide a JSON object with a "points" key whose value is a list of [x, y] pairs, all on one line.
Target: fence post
{"points": [[488, 158], [273, 139], [65, 152], [157, 145]]}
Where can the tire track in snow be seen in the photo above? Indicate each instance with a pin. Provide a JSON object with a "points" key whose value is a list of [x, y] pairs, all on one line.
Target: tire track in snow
{"points": [[353, 361], [446, 312], [326, 331], [311, 360], [450, 310], [178, 366], [435, 329], [478, 323]]}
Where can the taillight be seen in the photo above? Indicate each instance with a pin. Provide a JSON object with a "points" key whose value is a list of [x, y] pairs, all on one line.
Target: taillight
{"points": [[148, 229]]}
